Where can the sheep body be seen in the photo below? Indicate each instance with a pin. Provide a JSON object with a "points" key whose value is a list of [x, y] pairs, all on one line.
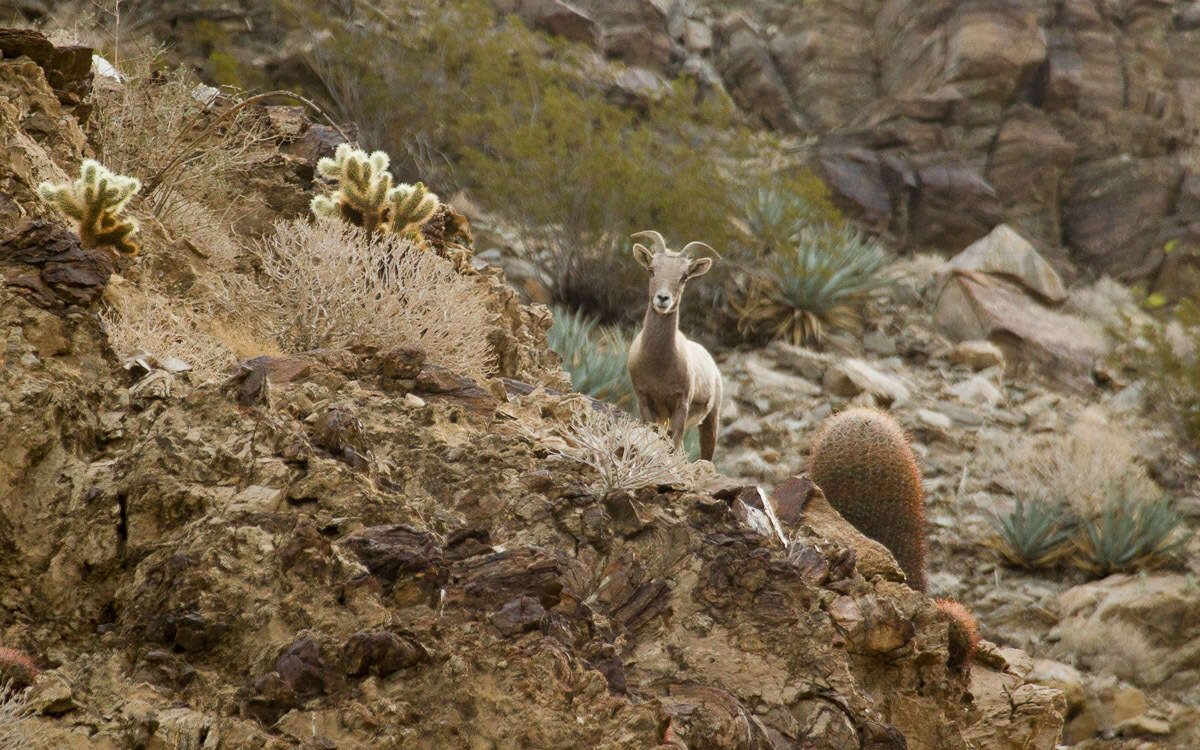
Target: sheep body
{"points": [[675, 379]]}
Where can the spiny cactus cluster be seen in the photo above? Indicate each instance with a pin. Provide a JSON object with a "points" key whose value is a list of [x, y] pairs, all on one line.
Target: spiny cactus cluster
{"points": [[16, 668], [964, 633], [95, 200], [366, 197], [863, 463]]}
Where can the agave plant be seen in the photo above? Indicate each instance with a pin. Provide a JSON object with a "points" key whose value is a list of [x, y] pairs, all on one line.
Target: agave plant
{"points": [[774, 212], [1129, 536], [773, 218], [593, 356], [1033, 535], [822, 282]]}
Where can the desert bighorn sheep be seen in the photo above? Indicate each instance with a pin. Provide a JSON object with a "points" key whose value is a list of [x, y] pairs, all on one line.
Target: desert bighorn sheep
{"points": [[676, 380]]}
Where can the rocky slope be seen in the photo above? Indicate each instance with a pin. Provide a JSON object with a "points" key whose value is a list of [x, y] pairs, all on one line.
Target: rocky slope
{"points": [[361, 549]]}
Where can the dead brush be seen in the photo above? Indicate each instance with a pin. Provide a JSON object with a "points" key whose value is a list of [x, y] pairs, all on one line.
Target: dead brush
{"points": [[148, 122], [144, 320], [19, 726], [331, 284], [623, 453]]}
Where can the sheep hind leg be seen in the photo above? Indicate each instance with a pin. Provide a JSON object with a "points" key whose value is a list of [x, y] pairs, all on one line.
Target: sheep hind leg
{"points": [[708, 435]]}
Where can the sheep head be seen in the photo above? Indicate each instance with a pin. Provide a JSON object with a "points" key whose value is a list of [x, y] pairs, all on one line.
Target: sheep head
{"points": [[669, 271]]}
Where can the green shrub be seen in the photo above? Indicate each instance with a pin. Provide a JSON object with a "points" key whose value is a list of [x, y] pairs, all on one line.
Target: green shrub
{"points": [[1129, 535], [822, 281], [1036, 534], [1165, 355]]}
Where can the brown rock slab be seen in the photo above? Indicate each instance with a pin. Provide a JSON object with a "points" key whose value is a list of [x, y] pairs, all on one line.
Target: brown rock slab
{"points": [[1004, 252], [973, 306], [799, 498]]}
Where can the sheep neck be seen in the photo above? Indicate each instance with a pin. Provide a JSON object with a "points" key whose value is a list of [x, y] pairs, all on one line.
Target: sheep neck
{"points": [[659, 334]]}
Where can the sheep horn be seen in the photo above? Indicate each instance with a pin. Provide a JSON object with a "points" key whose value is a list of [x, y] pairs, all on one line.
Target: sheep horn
{"points": [[658, 244], [698, 246]]}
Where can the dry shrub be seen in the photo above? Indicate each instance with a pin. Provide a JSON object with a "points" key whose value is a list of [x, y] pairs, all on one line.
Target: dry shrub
{"points": [[1105, 302], [207, 233], [144, 320], [18, 723], [1114, 646], [625, 453], [140, 125], [1081, 469], [335, 286]]}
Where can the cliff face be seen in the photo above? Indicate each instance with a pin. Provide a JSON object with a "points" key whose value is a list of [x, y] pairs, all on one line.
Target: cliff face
{"points": [[360, 549]]}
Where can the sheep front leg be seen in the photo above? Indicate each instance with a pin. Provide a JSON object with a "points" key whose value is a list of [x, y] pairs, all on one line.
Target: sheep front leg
{"points": [[644, 409], [679, 423]]}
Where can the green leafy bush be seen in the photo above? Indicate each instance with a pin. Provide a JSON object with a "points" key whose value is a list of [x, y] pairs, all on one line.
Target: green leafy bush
{"points": [[822, 281], [1036, 534], [1129, 536], [1165, 355]]}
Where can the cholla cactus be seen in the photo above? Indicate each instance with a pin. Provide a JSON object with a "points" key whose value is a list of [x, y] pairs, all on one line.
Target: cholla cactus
{"points": [[94, 200], [365, 196], [363, 187], [411, 204]]}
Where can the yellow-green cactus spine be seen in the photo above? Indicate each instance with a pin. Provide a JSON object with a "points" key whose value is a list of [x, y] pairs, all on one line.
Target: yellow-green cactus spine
{"points": [[94, 201], [365, 196], [411, 205], [364, 183]]}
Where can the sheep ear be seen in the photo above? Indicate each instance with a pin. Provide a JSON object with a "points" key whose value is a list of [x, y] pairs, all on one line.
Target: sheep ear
{"points": [[642, 254], [699, 267]]}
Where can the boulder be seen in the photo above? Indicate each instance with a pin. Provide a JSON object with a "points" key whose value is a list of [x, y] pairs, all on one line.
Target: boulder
{"points": [[556, 17], [973, 305], [745, 62], [1112, 210], [977, 355], [931, 200], [993, 49], [1144, 628], [1004, 252], [68, 69], [1026, 166], [850, 377]]}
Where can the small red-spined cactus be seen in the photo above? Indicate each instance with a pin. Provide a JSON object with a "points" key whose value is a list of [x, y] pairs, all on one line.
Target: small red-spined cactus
{"points": [[964, 634], [863, 463], [16, 668]]}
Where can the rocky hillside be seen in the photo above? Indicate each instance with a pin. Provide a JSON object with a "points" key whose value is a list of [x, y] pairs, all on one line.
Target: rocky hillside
{"points": [[933, 122], [356, 547]]}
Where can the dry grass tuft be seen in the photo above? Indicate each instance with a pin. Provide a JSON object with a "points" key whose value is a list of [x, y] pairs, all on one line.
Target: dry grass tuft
{"points": [[140, 125], [625, 453], [18, 725], [143, 320], [335, 286], [1117, 647], [1080, 469]]}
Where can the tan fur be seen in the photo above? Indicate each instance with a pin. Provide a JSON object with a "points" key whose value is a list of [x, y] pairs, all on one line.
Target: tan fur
{"points": [[676, 380]]}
